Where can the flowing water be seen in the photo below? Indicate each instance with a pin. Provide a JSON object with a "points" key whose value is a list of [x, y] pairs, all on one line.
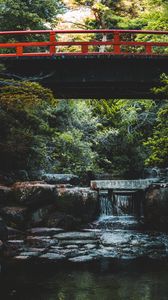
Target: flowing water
{"points": [[104, 279], [140, 281], [123, 211]]}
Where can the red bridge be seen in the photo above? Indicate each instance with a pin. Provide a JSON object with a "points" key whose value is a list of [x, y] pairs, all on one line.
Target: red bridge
{"points": [[88, 63]]}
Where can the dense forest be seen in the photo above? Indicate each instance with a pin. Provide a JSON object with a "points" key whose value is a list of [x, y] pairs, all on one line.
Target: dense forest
{"points": [[40, 132]]}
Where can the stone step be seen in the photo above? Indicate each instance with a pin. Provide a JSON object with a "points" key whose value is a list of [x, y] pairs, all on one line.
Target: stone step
{"points": [[76, 236], [44, 231]]}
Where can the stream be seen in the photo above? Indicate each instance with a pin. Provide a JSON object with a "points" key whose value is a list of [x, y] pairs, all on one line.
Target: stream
{"points": [[115, 258]]}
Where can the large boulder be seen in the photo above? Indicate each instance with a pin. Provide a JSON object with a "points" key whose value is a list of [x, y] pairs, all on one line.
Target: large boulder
{"points": [[65, 221], [78, 202], [15, 216], [5, 194], [38, 217], [33, 194], [3, 230], [156, 206], [61, 179]]}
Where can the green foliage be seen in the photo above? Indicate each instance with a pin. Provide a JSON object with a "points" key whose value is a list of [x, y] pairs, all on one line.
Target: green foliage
{"points": [[27, 14], [114, 136], [24, 130], [157, 144]]}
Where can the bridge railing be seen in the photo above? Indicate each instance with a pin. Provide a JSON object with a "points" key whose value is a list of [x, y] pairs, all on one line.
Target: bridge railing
{"points": [[93, 42]]}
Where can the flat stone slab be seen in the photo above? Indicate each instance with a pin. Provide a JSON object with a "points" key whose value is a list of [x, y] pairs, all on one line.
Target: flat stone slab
{"points": [[82, 259], [76, 236], [52, 256], [135, 184], [77, 242], [116, 238], [21, 257], [44, 231], [30, 254], [16, 243], [41, 242]]}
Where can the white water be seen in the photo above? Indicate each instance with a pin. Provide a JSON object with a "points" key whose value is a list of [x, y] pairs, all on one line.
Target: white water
{"points": [[118, 211], [117, 205]]}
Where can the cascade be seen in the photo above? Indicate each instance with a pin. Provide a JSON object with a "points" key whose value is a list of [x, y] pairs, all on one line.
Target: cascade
{"points": [[118, 204], [118, 210], [106, 208]]}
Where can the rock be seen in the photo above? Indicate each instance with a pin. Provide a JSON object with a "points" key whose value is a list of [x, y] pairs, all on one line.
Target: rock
{"points": [[5, 195], [44, 231], [115, 238], [90, 246], [39, 216], [16, 243], [40, 242], [30, 249], [21, 257], [108, 253], [156, 207], [82, 203], [3, 231], [61, 178], [72, 247], [76, 236], [22, 175], [82, 259], [15, 216], [7, 178], [66, 252], [13, 233], [34, 194], [52, 256], [1, 246], [77, 242], [65, 221], [30, 254]]}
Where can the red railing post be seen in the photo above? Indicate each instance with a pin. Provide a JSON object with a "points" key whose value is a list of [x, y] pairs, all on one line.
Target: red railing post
{"points": [[116, 43], [148, 49], [84, 48], [52, 40], [19, 50]]}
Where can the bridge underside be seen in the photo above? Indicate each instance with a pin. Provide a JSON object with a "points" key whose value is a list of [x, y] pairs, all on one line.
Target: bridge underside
{"points": [[100, 76]]}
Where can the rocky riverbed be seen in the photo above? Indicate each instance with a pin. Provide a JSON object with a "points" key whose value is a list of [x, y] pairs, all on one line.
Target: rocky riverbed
{"points": [[51, 222], [54, 244]]}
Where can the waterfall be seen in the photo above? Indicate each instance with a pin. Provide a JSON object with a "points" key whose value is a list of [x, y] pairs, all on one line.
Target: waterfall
{"points": [[118, 204], [124, 205], [106, 208]]}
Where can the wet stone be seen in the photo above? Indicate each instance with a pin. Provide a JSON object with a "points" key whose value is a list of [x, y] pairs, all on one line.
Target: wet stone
{"points": [[52, 256], [30, 254], [1, 245], [16, 243], [76, 236], [106, 253], [39, 250], [41, 242], [90, 246], [72, 246], [66, 252], [77, 242], [116, 238], [44, 231], [82, 259], [21, 257]]}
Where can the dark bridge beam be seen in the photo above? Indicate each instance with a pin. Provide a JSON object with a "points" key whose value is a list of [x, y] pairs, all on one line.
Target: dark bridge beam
{"points": [[91, 76]]}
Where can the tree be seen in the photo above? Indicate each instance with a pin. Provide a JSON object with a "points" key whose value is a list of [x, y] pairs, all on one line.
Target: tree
{"points": [[157, 143], [24, 130], [28, 14]]}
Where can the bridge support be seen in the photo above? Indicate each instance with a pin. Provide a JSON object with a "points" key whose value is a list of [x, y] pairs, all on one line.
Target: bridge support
{"points": [[82, 77]]}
